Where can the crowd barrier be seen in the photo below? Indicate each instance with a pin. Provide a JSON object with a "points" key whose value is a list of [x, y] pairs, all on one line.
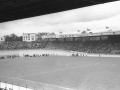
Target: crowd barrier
{"points": [[6, 86], [103, 55], [42, 52], [22, 84]]}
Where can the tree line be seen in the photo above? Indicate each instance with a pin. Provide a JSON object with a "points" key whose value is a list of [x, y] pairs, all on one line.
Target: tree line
{"points": [[14, 37]]}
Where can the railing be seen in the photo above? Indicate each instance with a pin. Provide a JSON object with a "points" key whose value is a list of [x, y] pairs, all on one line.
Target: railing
{"points": [[22, 84]]}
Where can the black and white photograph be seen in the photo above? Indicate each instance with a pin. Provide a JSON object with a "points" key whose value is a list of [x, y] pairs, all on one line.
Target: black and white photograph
{"points": [[59, 45]]}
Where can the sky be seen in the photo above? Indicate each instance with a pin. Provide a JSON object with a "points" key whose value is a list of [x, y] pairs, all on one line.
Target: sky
{"points": [[95, 18]]}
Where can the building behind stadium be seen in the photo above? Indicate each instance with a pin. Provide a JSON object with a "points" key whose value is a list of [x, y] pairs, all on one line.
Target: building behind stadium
{"points": [[29, 37]]}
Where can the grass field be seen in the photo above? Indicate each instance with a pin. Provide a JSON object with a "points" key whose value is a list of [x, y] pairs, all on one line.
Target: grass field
{"points": [[63, 73]]}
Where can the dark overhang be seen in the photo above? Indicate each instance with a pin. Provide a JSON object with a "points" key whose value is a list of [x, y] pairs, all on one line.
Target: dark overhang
{"points": [[19, 9]]}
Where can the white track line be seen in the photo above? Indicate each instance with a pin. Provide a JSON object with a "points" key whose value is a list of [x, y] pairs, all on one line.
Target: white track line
{"points": [[52, 71], [41, 83], [18, 78]]}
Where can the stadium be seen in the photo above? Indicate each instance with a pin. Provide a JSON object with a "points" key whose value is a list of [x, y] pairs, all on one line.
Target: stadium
{"points": [[84, 60], [65, 66]]}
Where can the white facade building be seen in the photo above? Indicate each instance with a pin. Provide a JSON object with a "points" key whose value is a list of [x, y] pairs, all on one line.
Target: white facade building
{"points": [[29, 37]]}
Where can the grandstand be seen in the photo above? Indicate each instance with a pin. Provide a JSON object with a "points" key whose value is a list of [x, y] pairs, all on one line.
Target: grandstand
{"points": [[100, 43], [36, 54], [32, 57]]}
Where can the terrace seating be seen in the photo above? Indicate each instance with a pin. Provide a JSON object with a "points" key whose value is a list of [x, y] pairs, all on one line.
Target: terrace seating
{"points": [[104, 47], [21, 45]]}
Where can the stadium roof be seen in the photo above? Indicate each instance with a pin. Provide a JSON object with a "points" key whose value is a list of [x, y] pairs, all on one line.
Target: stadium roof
{"points": [[82, 34], [18, 9]]}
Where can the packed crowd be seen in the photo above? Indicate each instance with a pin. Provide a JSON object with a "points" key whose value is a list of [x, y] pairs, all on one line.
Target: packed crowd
{"points": [[25, 55], [39, 55], [9, 56], [21, 45], [105, 47]]}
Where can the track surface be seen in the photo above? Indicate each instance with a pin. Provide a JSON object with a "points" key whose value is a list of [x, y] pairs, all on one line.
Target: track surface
{"points": [[75, 73]]}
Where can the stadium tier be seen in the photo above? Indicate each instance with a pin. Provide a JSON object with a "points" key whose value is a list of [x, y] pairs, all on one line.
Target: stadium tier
{"points": [[102, 43]]}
